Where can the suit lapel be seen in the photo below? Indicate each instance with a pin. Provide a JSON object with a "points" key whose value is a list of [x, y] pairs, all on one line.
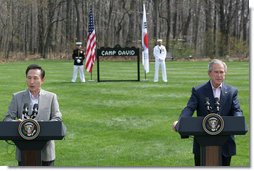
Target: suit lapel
{"points": [[207, 94], [25, 100], [210, 93], [223, 95], [41, 101]]}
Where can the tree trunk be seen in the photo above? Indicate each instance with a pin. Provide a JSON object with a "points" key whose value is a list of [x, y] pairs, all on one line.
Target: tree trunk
{"points": [[40, 17]]}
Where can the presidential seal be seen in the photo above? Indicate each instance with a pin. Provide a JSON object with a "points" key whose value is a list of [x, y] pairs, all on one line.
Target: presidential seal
{"points": [[213, 124], [29, 129]]}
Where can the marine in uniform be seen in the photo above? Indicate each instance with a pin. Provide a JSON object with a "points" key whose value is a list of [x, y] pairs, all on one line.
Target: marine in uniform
{"points": [[160, 53], [78, 56]]}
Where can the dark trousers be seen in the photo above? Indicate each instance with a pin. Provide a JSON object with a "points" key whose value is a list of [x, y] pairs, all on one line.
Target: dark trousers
{"points": [[225, 160], [44, 163]]}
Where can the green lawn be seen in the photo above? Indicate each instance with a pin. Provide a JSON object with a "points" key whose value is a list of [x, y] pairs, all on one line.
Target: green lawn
{"points": [[123, 123]]}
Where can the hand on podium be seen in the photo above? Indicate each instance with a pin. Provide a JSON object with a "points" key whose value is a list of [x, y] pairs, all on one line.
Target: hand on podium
{"points": [[17, 120], [174, 126]]}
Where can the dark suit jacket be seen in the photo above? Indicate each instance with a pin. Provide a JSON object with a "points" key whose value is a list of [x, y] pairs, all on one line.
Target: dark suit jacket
{"points": [[229, 106]]}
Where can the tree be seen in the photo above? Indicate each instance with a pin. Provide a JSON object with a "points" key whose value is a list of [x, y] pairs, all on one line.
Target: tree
{"points": [[202, 28]]}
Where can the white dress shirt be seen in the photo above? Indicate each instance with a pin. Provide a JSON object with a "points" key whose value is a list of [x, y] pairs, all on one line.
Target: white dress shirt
{"points": [[34, 99], [216, 91]]}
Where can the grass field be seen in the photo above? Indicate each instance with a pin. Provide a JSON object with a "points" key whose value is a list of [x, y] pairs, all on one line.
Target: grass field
{"points": [[123, 123]]}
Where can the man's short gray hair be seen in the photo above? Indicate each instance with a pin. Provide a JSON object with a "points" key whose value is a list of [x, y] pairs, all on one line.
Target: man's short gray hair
{"points": [[216, 61]]}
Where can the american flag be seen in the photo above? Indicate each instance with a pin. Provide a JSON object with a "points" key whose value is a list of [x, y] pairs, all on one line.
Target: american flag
{"points": [[91, 43]]}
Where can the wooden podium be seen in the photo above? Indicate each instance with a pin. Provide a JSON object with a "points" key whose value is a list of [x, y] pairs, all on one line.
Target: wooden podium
{"points": [[31, 149], [210, 145]]}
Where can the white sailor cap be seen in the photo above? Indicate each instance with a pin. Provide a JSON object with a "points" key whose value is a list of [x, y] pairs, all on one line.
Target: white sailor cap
{"points": [[159, 40], [78, 43]]}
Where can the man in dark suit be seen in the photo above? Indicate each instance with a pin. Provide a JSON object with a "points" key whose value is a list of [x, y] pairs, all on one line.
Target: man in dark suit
{"points": [[229, 106]]}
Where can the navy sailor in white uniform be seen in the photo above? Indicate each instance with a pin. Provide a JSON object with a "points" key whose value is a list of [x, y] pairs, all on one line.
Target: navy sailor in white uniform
{"points": [[160, 53]]}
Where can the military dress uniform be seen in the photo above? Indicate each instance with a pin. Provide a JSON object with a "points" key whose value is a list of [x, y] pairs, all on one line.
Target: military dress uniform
{"points": [[160, 54], [78, 56]]}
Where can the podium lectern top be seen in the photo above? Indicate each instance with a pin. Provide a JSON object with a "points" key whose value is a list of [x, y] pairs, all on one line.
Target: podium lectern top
{"points": [[233, 125]]}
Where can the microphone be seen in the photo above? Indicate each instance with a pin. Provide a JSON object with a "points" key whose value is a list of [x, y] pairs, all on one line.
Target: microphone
{"points": [[25, 110], [207, 104], [35, 111], [217, 104]]}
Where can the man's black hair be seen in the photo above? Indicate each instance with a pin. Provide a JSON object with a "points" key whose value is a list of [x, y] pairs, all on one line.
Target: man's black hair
{"points": [[35, 66]]}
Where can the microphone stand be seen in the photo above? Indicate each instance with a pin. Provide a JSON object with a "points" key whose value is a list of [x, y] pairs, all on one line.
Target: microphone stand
{"points": [[25, 111], [208, 107], [217, 105]]}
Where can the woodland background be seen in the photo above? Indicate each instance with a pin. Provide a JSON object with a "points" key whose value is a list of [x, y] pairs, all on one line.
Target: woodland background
{"points": [[189, 28]]}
